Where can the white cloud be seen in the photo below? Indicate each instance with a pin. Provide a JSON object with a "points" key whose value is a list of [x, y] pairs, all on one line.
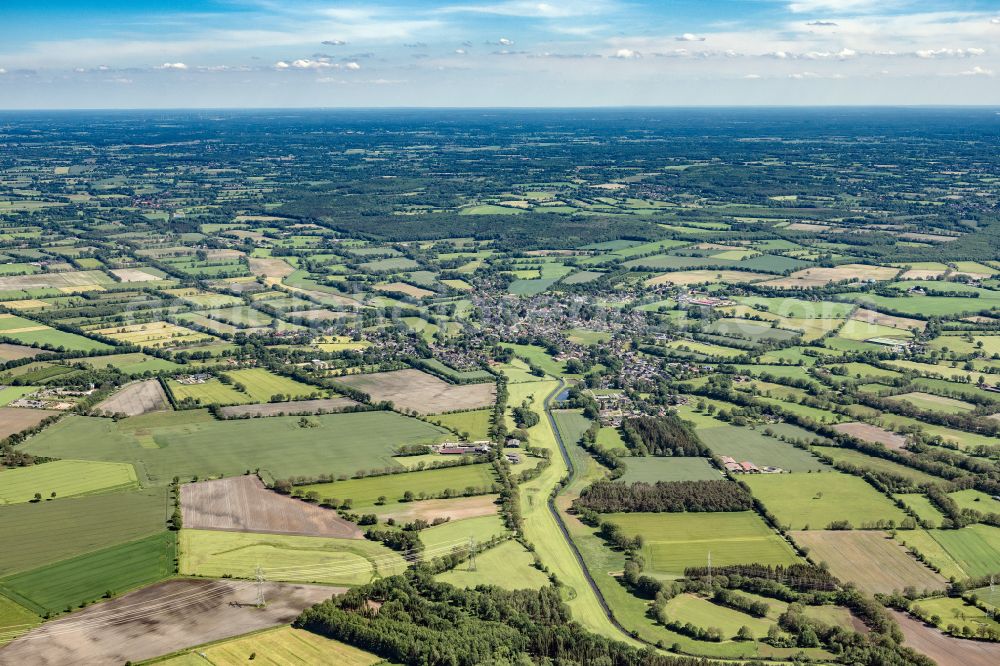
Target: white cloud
{"points": [[977, 71], [995, 21], [842, 54], [460, 51], [751, 76], [333, 42], [689, 37], [626, 54], [804, 75], [949, 53], [2, 70], [503, 41], [318, 63], [173, 65]]}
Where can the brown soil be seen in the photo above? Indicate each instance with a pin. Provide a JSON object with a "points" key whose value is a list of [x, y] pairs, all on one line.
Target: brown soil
{"points": [[871, 433], [161, 619], [413, 389], [873, 317], [869, 559], [10, 352], [15, 419], [269, 267], [456, 509], [135, 399], [243, 504], [943, 649], [293, 408]]}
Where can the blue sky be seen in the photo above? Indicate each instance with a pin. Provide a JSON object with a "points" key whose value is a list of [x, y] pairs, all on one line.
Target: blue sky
{"points": [[238, 53]]}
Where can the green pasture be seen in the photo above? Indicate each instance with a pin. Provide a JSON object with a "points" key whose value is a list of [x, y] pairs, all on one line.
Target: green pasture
{"points": [[430, 483], [190, 443], [875, 464], [508, 565], [476, 423], [88, 577], [284, 557], [458, 532], [675, 541], [64, 478], [813, 501], [754, 446], [671, 468], [55, 530]]}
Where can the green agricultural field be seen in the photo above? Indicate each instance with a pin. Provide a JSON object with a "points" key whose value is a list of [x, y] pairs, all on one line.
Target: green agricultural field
{"points": [[675, 541], [976, 548], [190, 443], [284, 557], [865, 461], [705, 348], [32, 333], [975, 500], [954, 613], [804, 501], [703, 613], [392, 264], [476, 423], [934, 403], [64, 478], [508, 565], [88, 577], [611, 439], [538, 357], [458, 375], [62, 528], [924, 542], [571, 423], [988, 596], [15, 620], [959, 437], [458, 532], [758, 448], [284, 646], [814, 413], [211, 392], [923, 507], [430, 483], [132, 363], [9, 394], [798, 309], [582, 336], [653, 469], [261, 385]]}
